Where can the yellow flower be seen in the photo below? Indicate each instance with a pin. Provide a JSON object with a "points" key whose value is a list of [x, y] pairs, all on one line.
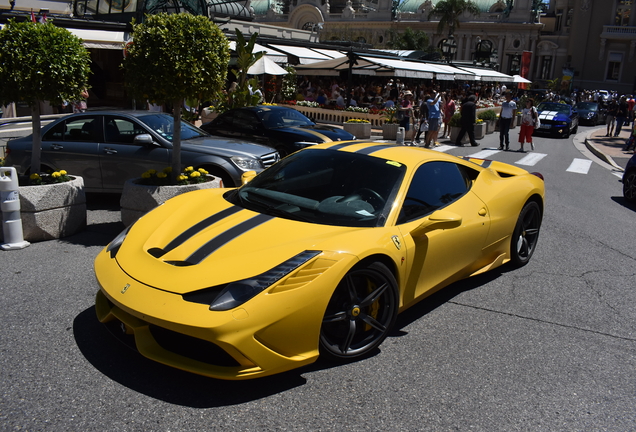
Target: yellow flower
{"points": [[189, 169], [195, 174], [63, 172], [202, 171], [151, 171], [162, 175], [167, 170], [34, 176], [182, 177], [145, 175], [55, 174]]}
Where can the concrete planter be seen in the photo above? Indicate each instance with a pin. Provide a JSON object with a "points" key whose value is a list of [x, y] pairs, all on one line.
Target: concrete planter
{"points": [[137, 200], [207, 115], [480, 130], [52, 211], [491, 126], [455, 132], [360, 130], [389, 131]]}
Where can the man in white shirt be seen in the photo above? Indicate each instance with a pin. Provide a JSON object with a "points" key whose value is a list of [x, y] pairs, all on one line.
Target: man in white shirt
{"points": [[508, 109]]}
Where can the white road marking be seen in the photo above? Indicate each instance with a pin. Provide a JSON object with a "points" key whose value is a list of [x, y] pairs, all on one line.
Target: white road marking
{"points": [[531, 159], [580, 166], [484, 154], [443, 148]]}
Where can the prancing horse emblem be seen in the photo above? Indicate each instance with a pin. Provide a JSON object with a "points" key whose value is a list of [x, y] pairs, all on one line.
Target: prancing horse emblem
{"points": [[396, 242], [123, 291]]}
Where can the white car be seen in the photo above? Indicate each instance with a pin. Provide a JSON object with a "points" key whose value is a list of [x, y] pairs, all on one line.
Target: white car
{"points": [[604, 95]]}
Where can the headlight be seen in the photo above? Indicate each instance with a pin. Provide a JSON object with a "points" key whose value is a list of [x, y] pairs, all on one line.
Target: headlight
{"points": [[113, 247], [590, 115], [303, 144], [237, 293], [563, 123], [246, 163]]}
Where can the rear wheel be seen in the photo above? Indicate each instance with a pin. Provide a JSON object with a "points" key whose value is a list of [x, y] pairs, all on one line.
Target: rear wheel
{"points": [[629, 186], [526, 234], [360, 314]]}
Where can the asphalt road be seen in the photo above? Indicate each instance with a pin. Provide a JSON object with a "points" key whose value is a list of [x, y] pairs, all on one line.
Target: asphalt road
{"points": [[548, 347]]}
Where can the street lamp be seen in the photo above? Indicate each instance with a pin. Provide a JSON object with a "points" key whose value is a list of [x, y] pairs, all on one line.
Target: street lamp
{"points": [[449, 48]]}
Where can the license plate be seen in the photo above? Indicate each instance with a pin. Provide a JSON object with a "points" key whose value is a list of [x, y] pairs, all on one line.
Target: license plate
{"points": [[544, 126]]}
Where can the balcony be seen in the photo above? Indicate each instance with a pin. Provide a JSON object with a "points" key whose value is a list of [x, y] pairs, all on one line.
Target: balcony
{"points": [[619, 32]]}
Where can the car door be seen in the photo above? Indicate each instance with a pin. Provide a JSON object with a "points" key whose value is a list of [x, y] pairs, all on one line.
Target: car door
{"points": [[73, 145], [121, 158], [441, 189]]}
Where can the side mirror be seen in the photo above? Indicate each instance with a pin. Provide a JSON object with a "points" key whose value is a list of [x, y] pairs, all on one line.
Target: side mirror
{"points": [[246, 177], [144, 139], [440, 219]]}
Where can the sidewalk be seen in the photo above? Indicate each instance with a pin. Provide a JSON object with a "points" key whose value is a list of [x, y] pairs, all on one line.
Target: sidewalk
{"points": [[609, 149]]}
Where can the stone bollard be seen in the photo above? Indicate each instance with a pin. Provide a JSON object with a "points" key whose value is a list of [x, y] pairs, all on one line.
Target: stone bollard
{"points": [[399, 138], [10, 206]]}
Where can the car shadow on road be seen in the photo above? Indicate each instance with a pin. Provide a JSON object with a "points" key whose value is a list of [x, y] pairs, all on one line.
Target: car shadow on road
{"points": [[132, 370], [622, 201]]}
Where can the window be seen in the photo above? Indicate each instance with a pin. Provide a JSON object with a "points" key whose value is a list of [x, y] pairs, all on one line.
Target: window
{"points": [[546, 67], [623, 9], [121, 131], [84, 129], [614, 62], [435, 185]]}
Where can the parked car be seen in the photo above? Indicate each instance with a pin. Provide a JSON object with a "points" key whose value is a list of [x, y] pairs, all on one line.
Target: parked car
{"points": [[629, 180], [604, 95], [557, 119], [107, 148], [314, 256], [282, 128], [590, 113]]}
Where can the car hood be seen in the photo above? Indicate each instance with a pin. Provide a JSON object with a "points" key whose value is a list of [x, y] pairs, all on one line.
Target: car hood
{"points": [[199, 240], [316, 133], [553, 115], [224, 147]]}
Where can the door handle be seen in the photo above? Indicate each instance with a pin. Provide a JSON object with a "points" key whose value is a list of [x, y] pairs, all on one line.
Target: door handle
{"points": [[110, 151], [57, 147], [482, 212]]}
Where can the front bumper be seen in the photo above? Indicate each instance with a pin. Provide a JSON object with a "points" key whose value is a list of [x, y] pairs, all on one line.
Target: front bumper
{"points": [[276, 331]]}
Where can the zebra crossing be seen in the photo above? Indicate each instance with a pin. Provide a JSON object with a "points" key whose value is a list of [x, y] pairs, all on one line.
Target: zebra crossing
{"points": [[578, 166]]}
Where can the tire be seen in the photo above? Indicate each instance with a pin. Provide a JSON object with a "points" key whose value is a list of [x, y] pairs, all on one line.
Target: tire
{"points": [[526, 234], [219, 172], [360, 314], [576, 129], [629, 186]]}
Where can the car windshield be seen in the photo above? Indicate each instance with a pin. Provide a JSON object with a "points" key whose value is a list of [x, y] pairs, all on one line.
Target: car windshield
{"points": [[588, 106], [163, 124], [326, 187], [560, 108], [273, 119]]}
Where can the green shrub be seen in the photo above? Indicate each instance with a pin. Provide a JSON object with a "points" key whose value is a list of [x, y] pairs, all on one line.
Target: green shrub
{"points": [[487, 115], [455, 120]]}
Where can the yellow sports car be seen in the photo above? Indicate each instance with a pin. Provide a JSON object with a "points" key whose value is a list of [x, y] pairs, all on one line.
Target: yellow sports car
{"points": [[314, 256]]}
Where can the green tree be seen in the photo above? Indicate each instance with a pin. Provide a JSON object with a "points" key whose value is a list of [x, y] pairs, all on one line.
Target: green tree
{"points": [[449, 12], [245, 60], [41, 62], [409, 40], [290, 81], [176, 57]]}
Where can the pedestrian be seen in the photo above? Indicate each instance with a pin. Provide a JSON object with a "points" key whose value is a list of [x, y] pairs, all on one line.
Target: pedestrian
{"points": [[423, 116], [529, 120], [621, 115], [434, 117], [508, 109], [406, 109], [468, 117], [449, 110], [612, 110], [81, 105]]}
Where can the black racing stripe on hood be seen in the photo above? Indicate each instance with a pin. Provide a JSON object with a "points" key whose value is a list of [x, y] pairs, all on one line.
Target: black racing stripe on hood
{"points": [[193, 230], [341, 146], [373, 149], [226, 237], [486, 163]]}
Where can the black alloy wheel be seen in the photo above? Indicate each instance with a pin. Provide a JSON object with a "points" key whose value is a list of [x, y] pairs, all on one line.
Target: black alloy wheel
{"points": [[360, 314], [526, 234], [629, 186]]}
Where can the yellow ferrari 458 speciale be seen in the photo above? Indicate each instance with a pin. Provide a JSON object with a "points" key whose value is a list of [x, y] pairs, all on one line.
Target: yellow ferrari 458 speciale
{"points": [[314, 256]]}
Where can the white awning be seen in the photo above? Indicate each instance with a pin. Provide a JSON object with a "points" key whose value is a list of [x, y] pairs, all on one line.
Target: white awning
{"points": [[101, 39], [488, 74], [305, 55], [273, 55]]}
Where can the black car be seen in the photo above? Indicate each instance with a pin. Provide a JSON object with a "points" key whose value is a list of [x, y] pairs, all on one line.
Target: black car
{"points": [[629, 180], [591, 113], [557, 119], [107, 148], [282, 128]]}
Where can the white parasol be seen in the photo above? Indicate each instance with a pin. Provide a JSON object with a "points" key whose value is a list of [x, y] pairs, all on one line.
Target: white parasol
{"points": [[520, 79], [266, 66]]}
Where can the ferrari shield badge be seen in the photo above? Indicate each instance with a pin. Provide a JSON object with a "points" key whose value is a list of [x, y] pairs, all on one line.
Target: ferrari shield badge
{"points": [[396, 242]]}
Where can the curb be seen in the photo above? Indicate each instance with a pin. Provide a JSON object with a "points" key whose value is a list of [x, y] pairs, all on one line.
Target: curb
{"points": [[599, 154]]}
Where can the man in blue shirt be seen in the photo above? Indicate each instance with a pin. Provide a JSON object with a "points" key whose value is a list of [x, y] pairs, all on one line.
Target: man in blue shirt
{"points": [[508, 109], [434, 118]]}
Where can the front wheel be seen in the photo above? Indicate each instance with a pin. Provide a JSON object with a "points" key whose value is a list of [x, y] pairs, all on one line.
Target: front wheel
{"points": [[629, 186], [526, 234], [360, 314]]}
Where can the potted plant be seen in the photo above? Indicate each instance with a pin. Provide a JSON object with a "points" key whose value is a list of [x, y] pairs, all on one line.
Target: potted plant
{"points": [[391, 124], [490, 119], [480, 129], [43, 62], [361, 128], [155, 187], [455, 127]]}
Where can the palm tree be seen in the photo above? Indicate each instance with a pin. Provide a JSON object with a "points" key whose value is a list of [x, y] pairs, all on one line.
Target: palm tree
{"points": [[449, 12]]}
